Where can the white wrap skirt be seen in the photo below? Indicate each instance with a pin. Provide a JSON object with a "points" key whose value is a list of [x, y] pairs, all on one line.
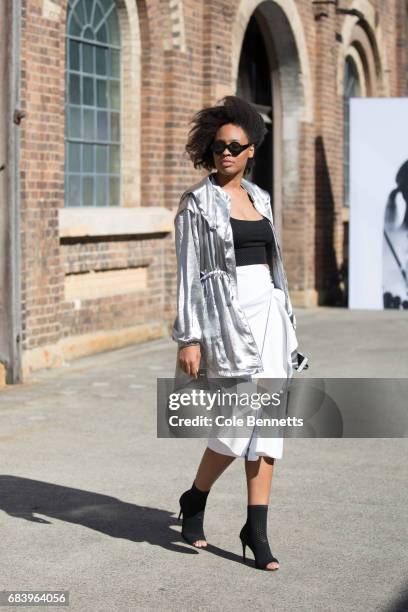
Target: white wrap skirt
{"points": [[264, 307]]}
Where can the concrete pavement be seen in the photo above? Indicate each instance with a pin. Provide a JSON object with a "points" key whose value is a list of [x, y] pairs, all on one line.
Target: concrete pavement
{"points": [[89, 495]]}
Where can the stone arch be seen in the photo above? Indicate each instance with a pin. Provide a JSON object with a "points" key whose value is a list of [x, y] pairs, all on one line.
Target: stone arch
{"points": [[363, 40], [283, 22], [293, 103], [131, 102], [354, 54]]}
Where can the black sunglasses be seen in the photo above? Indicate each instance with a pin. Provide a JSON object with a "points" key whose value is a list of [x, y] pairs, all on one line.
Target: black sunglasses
{"points": [[218, 147]]}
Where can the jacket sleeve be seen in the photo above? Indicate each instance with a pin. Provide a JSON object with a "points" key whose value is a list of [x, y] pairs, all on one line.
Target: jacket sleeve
{"points": [[188, 325]]}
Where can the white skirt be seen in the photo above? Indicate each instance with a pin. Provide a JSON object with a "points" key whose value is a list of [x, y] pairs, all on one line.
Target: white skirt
{"points": [[264, 307]]}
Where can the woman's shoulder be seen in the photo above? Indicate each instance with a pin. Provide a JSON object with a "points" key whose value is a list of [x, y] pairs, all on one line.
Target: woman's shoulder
{"points": [[187, 200], [190, 198]]}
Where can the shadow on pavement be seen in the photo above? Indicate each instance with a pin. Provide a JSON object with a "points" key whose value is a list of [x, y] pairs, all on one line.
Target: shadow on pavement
{"points": [[25, 498], [400, 604]]}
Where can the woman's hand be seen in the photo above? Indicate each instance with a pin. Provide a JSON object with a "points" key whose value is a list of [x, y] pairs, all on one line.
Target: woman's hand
{"points": [[189, 358]]}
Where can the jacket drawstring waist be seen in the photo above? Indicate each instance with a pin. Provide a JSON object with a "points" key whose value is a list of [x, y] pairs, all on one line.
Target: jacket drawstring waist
{"points": [[225, 277]]}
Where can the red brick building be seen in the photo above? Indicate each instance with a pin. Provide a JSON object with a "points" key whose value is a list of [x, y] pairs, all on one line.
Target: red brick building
{"points": [[95, 102]]}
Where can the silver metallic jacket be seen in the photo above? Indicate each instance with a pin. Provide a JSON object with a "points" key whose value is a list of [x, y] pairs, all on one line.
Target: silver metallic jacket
{"points": [[208, 311]]}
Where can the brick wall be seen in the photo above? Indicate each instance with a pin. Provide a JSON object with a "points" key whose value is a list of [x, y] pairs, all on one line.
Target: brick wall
{"points": [[178, 57], [41, 176]]}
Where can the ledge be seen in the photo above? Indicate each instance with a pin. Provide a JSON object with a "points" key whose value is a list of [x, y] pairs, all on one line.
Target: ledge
{"points": [[115, 221], [72, 347], [346, 213]]}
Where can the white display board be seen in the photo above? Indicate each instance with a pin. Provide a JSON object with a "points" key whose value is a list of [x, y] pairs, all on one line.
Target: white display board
{"points": [[378, 222]]}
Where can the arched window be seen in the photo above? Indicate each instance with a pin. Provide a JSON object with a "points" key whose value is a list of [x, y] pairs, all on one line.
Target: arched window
{"points": [[352, 88], [92, 104]]}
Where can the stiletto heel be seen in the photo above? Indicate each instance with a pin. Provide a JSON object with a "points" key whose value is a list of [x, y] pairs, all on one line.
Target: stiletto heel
{"points": [[192, 506], [243, 551]]}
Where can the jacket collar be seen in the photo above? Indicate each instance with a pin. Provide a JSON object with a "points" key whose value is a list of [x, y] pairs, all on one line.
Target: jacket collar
{"points": [[215, 203]]}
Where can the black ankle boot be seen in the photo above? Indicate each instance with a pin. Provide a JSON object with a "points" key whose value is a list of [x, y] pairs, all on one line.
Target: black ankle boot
{"points": [[192, 506], [253, 534]]}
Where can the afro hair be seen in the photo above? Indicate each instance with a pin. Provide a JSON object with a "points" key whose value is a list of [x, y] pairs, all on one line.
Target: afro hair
{"points": [[206, 122]]}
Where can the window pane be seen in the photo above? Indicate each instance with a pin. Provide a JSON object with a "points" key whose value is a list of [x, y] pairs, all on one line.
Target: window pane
{"points": [[101, 34], [114, 160], [113, 27], [74, 28], [89, 124], [74, 88], [101, 56], [74, 157], [101, 191], [114, 62], [74, 191], [88, 91], [114, 94], [88, 7], [98, 17], [101, 94], [107, 4], [114, 191], [87, 158], [89, 34], [115, 130], [101, 159], [74, 122], [88, 190], [102, 125], [73, 55], [80, 11], [88, 58]]}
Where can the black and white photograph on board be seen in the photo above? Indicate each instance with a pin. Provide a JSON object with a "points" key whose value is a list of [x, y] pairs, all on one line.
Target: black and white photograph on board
{"points": [[378, 248]]}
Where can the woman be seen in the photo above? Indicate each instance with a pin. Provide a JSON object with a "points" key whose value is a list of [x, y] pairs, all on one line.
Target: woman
{"points": [[234, 315], [395, 247]]}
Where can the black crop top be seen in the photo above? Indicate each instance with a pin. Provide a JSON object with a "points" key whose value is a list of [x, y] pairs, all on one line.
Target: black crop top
{"points": [[252, 241]]}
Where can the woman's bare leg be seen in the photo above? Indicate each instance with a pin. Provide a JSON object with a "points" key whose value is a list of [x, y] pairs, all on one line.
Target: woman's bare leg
{"points": [[259, 482], [259, 479], [212, 465]]}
